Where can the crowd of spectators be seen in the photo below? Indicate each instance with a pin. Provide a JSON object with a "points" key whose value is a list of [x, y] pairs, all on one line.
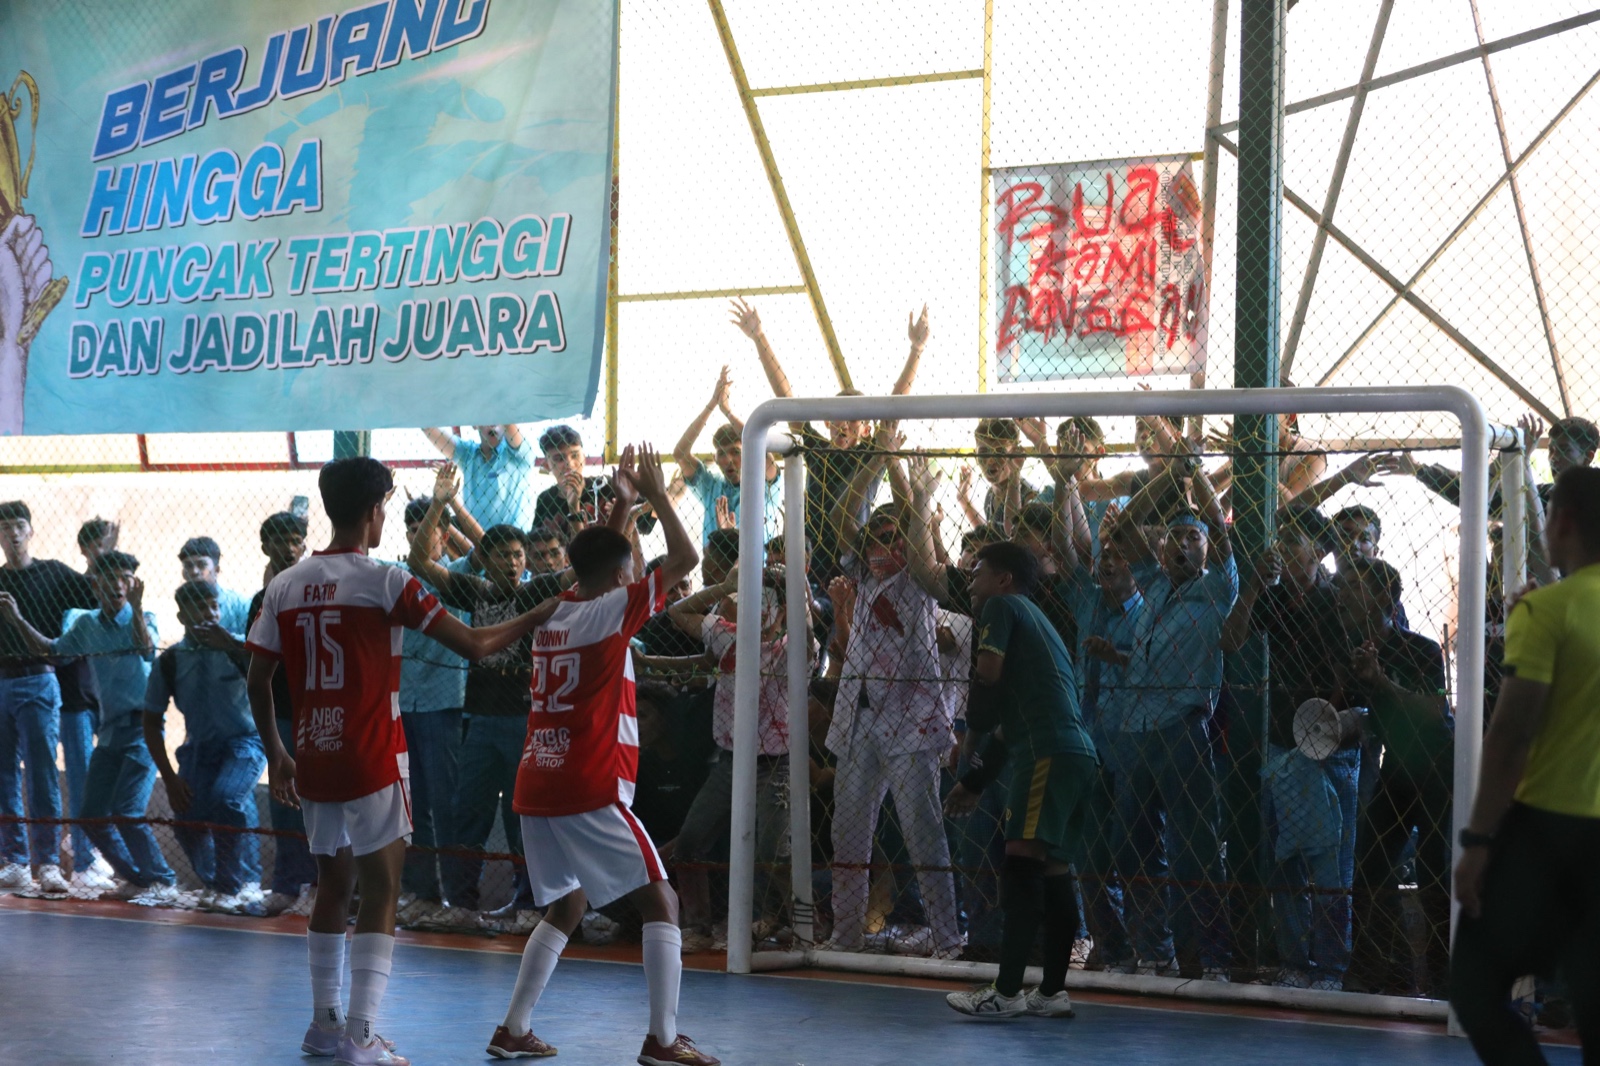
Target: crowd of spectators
{"points": [[1287, 823]]}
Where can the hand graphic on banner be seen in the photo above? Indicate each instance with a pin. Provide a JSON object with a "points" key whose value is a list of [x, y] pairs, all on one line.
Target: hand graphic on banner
{"points": [[26, 296]]}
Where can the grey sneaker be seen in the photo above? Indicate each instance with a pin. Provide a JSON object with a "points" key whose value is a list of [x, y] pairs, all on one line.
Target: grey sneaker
{"points": [[1039, 1005], [987, 1002]]}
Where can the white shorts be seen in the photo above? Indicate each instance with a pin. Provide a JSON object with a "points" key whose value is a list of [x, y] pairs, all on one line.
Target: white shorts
{"points": [[605, 852], [363, 825]]}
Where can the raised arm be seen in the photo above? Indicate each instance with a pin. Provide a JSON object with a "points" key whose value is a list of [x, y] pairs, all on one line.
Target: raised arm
{"points": [[513, 434], [11, 613], [749, 323], [1220, 544], [921, 546], [1138, 513], [446, 484], [143, 642], [847, 509], [649, 482], [683, 451], [964, 497], [1070, 533], [919, 332], [443, 440], [1362, 471], [1268, 571], [689, 613]]}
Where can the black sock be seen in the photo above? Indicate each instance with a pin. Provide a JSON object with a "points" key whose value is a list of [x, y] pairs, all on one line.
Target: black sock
{"points": [[1060, 930], [1022, 904]]}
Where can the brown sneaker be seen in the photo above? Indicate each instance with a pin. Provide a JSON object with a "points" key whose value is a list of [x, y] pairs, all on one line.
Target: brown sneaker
{"points": [[527, 1046], [681, 1052]]}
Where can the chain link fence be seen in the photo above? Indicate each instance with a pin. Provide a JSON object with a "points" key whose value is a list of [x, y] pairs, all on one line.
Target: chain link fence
{"points": [[1059, 189]]}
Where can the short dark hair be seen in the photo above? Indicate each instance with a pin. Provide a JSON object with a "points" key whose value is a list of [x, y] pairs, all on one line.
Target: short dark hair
{"points": [[658, 694], [1307, 522], [417, 509], [552, 529], [726, 435], [499, 536], [1036, 517], [1009, 557], [978, 536], [596, 550], [1087, 425], [1375, 573], [1577, 492], [113, 561], [998, 429], [282, 524], [93, 531], [1361, 513], [723, 545], [558, 437], [351, 487], [12, 510], [1580, 431], [195, 593], [200, 546]]}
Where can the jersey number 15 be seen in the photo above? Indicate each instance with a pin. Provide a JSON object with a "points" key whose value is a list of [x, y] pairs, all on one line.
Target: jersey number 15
{"points": [[328, 673]]}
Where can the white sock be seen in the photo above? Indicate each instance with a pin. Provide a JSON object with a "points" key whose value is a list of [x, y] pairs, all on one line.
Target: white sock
{"points": [[371, 957], [327, 978], [539, 958], [663, 973]]}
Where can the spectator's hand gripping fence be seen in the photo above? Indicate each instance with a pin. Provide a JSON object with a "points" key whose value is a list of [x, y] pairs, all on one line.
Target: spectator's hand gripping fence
{"points": [[760, 436]]}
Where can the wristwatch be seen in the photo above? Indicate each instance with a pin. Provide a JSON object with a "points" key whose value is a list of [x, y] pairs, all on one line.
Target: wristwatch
{"points": [[1469, 839]]}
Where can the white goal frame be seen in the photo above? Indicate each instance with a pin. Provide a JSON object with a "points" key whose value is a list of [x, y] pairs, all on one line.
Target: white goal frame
{"points": [[761, 435]]}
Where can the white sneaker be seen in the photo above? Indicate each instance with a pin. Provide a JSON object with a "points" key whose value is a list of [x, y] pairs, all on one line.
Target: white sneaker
{"points": [[458, 919], [913, 940], [696, 941], [17, 875], [1291, 978], [600, 930], [987, 1002], [1217, 975], [1080, 952], [207, 900], [93, 879], [159, 894], [301, 908], [1157, 968], [101, 868], [1328, 984], [1039, 1005], [412, 909], [277, 903], [515, 923], [377, 1053], [51, 880]]}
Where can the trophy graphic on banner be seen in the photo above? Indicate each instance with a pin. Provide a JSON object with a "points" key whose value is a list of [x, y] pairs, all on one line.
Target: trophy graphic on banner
{"points": [[28, 249]]}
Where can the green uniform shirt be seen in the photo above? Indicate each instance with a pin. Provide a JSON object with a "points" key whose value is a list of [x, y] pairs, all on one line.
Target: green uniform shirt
{"points": [[1040, 715]]}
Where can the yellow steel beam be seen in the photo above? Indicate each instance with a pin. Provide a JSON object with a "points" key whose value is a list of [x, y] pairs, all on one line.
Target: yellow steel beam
{"points": [[983, 185], [879, 83], [779, 194], [711, 294]]}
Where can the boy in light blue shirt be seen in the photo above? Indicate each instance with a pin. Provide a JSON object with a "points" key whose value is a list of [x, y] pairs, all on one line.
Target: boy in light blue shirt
{"points": [[119, 641], [221, 759], [1159, 737], [721, 485], [201, 558]]}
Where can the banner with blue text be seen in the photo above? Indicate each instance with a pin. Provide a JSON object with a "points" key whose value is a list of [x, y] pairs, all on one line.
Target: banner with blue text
{"points": [[230, 215]]}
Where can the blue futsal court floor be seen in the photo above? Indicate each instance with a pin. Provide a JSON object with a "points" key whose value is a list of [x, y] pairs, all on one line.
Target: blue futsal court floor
{"points": [[104, 991]]}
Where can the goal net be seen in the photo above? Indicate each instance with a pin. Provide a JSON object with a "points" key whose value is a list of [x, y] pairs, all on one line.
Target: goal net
{"points": [[1284, 692]]}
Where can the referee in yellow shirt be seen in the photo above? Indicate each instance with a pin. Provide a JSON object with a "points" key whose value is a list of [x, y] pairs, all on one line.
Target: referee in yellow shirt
{"points": [[1529, 873]]}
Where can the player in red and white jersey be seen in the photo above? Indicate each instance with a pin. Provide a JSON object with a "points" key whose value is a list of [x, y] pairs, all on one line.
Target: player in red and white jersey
{"points": [[333, 623], [575, 783]]}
